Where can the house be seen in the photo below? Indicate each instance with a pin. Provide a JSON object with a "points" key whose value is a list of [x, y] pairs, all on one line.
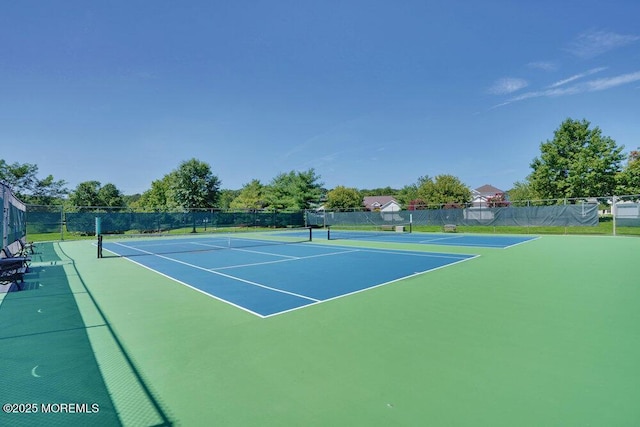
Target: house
{"points": [[381, 203], [388, 207], [481, 195]]}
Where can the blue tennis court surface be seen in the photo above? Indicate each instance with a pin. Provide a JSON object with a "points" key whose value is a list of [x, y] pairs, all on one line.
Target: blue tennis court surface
{"points": [[274, 279], [446, 239]]}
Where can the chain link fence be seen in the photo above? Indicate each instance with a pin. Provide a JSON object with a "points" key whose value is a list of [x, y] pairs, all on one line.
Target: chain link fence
{"points": [[12, 220], [595, 215], [64, 222], [614, 215]]}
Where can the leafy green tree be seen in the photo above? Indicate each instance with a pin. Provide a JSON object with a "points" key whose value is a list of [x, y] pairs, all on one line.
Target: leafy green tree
{"points": [[47, 191], [24, 182], [251, 196], [522, 194], [110, 196], [578, 162], [85, 194], [408, 195], [131, 199], [294, 190], [343, 198], [386, 191], [628, 180], [92, 193], [20, 177], [158, 197], [225, 198], [194, 185], [444, 189]]}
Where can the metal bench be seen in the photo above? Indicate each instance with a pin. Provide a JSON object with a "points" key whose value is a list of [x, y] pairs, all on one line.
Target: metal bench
{"points": [[450, 228]]}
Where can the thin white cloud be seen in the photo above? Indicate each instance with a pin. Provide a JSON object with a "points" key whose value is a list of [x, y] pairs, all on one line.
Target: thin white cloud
{"points": [[542, 65], [590, 86], [507, 85], [577, 77], [608, 83], [593, 43]]}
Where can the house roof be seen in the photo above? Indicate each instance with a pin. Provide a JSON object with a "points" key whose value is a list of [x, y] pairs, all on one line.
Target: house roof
{"points": [[378, 201], [487, 190]]}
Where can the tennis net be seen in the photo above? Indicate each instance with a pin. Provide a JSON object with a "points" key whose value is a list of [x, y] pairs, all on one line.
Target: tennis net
{"points": [[339, 232], [130, 245]]}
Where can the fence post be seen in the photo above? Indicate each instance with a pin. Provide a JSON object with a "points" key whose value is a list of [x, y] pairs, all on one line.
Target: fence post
{"points": [[613, 211], [61, 222]]}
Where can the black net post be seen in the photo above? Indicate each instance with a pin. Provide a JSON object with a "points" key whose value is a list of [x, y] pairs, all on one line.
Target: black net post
{"points": [[100, 246]]}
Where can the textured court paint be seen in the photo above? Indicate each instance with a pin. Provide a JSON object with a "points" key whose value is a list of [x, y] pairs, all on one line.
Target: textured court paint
{"points": [[545, 333], [270, 280], [47, 356], [446, 239]]}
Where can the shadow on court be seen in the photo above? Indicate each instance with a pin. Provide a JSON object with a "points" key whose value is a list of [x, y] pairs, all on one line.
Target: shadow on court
{"points": [[50, 373]]}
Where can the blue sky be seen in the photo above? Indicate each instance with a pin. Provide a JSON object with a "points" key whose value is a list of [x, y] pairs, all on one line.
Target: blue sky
{"points": [[368, 93]]}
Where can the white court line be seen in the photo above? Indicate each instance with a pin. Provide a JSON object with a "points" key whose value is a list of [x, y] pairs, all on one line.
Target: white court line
{"points": [[246, 250], [314, 300], [471, 245], [520, 243], [188, 285], [197, 267], [371, 287], [440, 238], [415, 253], [282, 260]]}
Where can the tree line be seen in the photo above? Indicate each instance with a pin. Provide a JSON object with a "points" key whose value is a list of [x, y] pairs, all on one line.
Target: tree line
{"points": [[578, 162]]}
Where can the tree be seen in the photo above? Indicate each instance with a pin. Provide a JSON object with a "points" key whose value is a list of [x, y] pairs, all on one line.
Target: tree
{"points": [[578, 162], [251, 196], [85, 194], [443, 190], [498, 200], [110, 196], [46, 191], [341, 198], [91, 193], [408, 197], [386, 191], [294, 190], [522, 193], [24, 182], [628, 180], [158, 197], [194, 185], [416, 205], [20, 177], [225, 198]]}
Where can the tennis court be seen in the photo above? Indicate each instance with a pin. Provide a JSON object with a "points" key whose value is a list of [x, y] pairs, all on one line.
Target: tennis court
{"points": [[536, 331], [267, 278], [445, 239]]}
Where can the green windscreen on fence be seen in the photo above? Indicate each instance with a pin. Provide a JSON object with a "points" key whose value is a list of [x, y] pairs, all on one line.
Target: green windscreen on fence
{"points": [[560, 215], [149, 222], [13, 222], [44, 219]]}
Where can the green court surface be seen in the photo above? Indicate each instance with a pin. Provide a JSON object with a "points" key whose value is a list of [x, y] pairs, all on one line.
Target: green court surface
{"points": [[546, 333]]}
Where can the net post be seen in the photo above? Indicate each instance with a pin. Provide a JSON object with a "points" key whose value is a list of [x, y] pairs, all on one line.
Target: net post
{"points": [[328, 232], [100, 246], [310, 234]]}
